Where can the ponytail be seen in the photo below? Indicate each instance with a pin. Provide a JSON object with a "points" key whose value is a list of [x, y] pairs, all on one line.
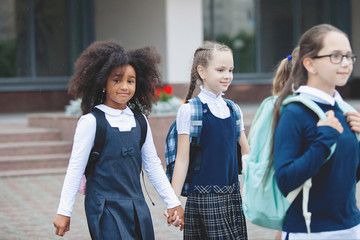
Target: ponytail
{"points": [[283, 71]]}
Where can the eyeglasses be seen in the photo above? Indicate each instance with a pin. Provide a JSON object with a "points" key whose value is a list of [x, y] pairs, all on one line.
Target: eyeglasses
{"points": [[336, 58]]}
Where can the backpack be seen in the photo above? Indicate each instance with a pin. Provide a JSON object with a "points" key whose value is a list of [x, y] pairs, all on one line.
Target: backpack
{"points": [[264, 204], [100, 140], [196, 111]]}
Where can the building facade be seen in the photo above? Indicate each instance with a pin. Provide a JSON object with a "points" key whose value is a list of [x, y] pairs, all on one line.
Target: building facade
{"points": [[41, 39]]}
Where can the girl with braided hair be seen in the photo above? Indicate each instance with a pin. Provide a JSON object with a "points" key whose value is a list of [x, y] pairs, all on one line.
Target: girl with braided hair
{"points": [[120, 84], [213, 209]]}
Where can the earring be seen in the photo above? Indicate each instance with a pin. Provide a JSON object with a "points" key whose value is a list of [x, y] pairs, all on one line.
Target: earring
{"points": [[103, 90]]}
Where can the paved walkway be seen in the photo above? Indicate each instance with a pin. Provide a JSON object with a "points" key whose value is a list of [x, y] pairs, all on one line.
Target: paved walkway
{"points": [[28, 205]]}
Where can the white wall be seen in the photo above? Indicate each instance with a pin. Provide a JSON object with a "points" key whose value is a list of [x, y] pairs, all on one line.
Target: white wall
{"points": [[184, 33], [174, 27], [355, 5], [133, 23]]}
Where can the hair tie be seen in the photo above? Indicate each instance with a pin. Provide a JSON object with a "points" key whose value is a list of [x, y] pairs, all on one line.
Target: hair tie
{"points": [[289, 57]]}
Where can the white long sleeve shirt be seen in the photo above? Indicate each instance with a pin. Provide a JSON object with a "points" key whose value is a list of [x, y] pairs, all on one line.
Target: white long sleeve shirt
{"points": [[84, 141]]}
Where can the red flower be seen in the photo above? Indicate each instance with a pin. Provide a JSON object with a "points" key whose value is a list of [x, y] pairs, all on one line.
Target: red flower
{"points": [[164, 93], [168, 89]]}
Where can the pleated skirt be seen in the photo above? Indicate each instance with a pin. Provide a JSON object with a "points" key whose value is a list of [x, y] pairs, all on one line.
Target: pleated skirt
{"points": [[215, 216]]}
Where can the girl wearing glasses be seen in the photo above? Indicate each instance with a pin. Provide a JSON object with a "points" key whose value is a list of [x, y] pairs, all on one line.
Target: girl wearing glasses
{"points": [[325, 61]]}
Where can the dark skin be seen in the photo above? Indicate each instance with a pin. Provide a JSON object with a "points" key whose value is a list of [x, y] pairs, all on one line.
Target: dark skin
{"points": [[175, 216], [62, 224]]}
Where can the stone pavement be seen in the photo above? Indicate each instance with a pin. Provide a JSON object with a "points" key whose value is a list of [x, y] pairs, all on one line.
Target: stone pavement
{"points": [[28, 205]]}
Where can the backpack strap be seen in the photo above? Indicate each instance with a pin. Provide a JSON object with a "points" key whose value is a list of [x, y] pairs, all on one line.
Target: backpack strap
{"points": [[100, 130], [143, 126], [99, 140], [196, 113], [171, 147], [235, 109]]}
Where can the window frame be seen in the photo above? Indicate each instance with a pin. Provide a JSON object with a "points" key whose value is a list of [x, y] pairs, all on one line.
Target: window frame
{"points": [[34, 82]]}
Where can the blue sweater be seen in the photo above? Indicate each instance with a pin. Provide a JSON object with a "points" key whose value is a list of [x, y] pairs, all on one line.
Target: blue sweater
{"points": [[300, 148]]}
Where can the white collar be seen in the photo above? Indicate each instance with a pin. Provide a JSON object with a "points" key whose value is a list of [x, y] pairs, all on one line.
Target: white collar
{"points": [[113, 111], [318, 95], [210, 95]]}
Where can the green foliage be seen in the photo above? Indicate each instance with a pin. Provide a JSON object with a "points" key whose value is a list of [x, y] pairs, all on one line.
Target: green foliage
{"points": [[243, 47], [8, 59]]}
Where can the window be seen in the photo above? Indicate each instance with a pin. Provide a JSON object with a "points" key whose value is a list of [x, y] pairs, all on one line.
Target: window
{"points": [[232, 23], [263, 32], [41, 39]]}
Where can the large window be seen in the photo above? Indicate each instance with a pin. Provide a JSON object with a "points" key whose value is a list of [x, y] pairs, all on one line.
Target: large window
{"points": [[40, 40], [233, 23], [262, 32]]}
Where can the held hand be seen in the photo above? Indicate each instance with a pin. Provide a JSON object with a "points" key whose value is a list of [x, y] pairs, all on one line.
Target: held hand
{"points": [[176, 216], [353, 119], [166, 215], [177, 221], [62, 224], [331, 121], [174, 220]]}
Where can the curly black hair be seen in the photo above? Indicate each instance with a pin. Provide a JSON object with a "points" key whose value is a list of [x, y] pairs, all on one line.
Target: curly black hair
{"points": [[95, 64], [145, 61]]}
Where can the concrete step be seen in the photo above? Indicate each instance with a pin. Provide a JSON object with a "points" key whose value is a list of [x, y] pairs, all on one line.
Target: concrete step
{"points": [[26, 134], [27, 162], [35, 148], [32, 172]]}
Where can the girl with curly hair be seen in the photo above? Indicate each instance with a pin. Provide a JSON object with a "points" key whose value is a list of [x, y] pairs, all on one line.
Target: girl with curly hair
{"points": [[119, 83]]}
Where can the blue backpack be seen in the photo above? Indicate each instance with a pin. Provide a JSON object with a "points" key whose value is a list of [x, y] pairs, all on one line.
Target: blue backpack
{"points": [[263, 203], [195, 133]]}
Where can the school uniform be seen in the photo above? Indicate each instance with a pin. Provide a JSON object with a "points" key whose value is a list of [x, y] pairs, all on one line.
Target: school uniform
{"points": [[213, 207], [332, 200], [114, 203]]}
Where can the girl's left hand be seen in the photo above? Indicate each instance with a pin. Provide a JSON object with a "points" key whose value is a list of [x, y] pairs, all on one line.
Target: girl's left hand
{"points": [[353, 119]]}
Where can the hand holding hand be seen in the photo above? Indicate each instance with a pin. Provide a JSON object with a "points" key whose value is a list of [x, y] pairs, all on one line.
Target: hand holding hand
{"points": [[62, 224], [331, 121], [170, 220], [175, 216]]}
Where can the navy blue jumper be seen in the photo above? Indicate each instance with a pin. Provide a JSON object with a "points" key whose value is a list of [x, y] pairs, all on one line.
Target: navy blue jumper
{"points": [[213, 208], [114, 203], [219, 167]]}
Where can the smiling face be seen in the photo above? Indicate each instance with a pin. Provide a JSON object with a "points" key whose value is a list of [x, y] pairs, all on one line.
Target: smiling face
{"points": [[218, 74], [324, 74], [120, 87]]}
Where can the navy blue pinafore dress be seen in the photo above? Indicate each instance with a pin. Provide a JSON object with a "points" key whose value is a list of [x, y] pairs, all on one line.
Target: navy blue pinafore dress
{"points": [[214, 207], [114, 203]]}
